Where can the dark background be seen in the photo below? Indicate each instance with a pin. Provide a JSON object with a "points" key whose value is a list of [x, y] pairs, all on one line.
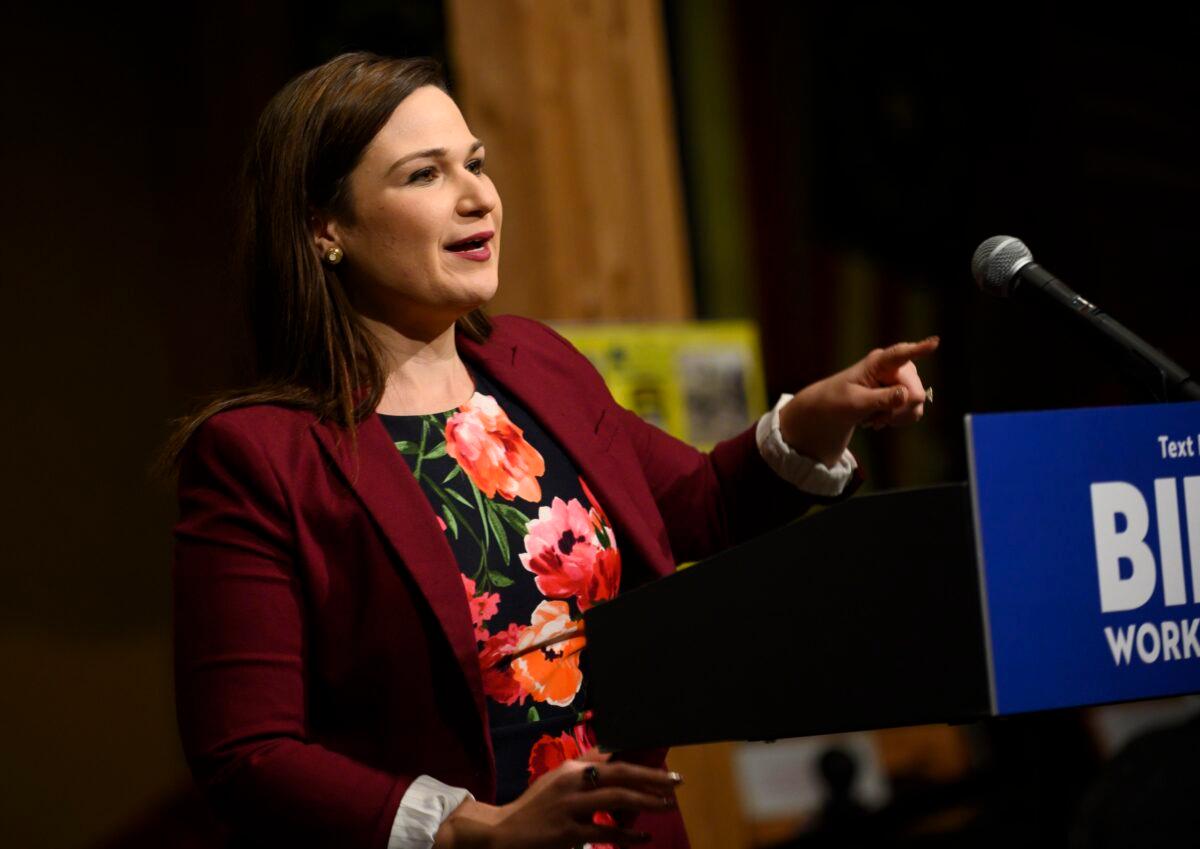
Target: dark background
{"points": [[908, 133]]}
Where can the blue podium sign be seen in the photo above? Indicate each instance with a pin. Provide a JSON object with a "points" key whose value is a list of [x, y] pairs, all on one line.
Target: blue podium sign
{"points": [[1087, 526]]}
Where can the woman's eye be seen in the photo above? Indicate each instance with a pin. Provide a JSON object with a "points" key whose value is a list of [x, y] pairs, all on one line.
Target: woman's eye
{"points": [[426, 175]]}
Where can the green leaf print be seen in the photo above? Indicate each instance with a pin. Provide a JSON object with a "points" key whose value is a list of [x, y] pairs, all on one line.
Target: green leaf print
{"points": [[533, 715], [498, 531], [479, 505], [496, 520], [448, 504], [450, 512], [459, 498], [421, 448], [602, 536], [451, 522], [515, 519]]}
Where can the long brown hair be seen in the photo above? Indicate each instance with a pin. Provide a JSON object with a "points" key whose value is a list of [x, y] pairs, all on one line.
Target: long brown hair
{"points": [[310, 350]]}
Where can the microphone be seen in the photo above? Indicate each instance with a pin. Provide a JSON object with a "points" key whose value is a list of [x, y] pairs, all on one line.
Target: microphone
{"points": [[1004, 266]]}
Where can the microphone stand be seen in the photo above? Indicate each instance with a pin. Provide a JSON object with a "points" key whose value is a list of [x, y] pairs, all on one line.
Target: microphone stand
{"points": [[1165, 378]]}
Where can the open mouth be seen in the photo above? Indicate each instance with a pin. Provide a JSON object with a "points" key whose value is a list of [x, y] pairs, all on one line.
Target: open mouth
{"points": [[474, 243], [467, 246]]}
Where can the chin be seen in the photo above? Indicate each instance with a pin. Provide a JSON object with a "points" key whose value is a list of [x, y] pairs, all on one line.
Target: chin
{"points": [[485, 291]]}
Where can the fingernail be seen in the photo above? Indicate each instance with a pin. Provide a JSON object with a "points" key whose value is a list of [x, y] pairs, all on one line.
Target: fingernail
{"points": [[668, 802], [934, 339], [675, 777], [898, 395]]}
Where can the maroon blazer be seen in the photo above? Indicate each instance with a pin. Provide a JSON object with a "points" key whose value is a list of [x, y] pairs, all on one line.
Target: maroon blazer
{"points": [[324, 652]]}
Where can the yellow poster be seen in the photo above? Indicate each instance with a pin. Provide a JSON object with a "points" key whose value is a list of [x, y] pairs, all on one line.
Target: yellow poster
{"points": [[700, 381]]}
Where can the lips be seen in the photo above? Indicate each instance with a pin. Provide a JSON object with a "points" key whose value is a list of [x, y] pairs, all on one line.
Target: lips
{"points": [[471, 243]]}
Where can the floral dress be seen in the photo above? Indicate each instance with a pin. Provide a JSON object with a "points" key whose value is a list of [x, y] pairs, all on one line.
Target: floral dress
{"points": [[535, 550]]}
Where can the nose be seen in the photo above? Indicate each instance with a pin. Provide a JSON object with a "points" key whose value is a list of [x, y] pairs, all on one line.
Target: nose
{"points": [[478, 196]]}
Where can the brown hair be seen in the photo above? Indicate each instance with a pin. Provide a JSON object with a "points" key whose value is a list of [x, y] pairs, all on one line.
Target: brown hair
{"points": [[310, 351]]}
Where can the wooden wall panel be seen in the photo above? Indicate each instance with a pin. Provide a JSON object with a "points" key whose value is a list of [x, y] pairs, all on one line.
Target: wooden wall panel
{"points": [[573, 101]]}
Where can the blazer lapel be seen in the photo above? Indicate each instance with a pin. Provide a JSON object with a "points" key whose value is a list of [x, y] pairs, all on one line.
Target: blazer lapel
{"points": [[384, 485], [393, 498], [546, 393]]}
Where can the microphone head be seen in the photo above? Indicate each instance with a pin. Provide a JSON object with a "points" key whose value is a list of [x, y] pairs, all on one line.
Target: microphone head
{"points": [[996, 263]]}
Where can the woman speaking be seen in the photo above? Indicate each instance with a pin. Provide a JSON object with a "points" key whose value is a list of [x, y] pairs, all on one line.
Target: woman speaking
{"points": [[386, 544]]}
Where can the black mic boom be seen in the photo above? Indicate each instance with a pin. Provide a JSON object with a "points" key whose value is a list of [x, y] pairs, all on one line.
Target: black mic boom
{"points": [[1002, 266]]}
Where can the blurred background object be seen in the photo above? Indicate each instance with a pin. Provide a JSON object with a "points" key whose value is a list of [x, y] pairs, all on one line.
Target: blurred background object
{"points": [[820, 172], [701, 381]]}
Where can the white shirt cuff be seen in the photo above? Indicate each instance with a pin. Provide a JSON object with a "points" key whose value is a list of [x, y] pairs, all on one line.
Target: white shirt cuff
{"points": [[801, 471], [423, 808]]}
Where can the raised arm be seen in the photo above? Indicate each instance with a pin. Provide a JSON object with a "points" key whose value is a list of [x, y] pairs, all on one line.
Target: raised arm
{"points": [[708, 500]]}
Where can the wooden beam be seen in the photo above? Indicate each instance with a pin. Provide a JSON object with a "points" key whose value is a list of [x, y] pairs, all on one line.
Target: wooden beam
{"points": [[574, 103]]}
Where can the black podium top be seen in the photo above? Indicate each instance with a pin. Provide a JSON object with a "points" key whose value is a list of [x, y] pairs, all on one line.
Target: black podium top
{"points": [[865, 615]]}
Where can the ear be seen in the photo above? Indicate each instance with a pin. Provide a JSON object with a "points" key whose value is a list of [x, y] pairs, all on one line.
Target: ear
{"points": [[324, 230]]}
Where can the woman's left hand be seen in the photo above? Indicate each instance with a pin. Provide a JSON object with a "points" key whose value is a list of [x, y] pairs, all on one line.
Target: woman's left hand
{"points": [[881, 389]]}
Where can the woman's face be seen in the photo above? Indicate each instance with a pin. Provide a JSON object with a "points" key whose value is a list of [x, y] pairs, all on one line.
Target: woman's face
{"points": [[418, 190]]}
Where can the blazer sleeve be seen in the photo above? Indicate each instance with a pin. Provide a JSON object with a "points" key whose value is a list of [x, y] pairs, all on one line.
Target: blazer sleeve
{"points": [[709, 500], [712, 500], [240, 659]]}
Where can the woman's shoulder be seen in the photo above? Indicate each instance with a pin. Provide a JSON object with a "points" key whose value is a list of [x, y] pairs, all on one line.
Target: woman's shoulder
{"points": [[546, 344], [262, 419], [540, 344], [520, 330], [261, 429]]}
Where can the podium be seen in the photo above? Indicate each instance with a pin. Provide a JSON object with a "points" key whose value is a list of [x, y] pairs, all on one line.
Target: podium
{"points": [[1052, 579]]}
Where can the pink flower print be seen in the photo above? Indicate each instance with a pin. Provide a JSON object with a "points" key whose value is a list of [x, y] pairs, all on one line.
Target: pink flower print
{"points": [[483, 607], [498, 680], [563, 552], [597, 510], [605, 579]]}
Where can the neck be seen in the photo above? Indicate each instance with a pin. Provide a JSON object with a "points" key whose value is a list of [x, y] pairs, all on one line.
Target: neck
{"points": [[424, 375]]}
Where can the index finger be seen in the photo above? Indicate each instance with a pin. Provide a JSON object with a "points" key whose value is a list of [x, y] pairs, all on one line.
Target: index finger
{"points": [[649, 778], [897, 355]]}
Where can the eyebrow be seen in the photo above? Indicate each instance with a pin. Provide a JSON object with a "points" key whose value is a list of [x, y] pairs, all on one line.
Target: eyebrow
{"points": [[433, 153]]}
